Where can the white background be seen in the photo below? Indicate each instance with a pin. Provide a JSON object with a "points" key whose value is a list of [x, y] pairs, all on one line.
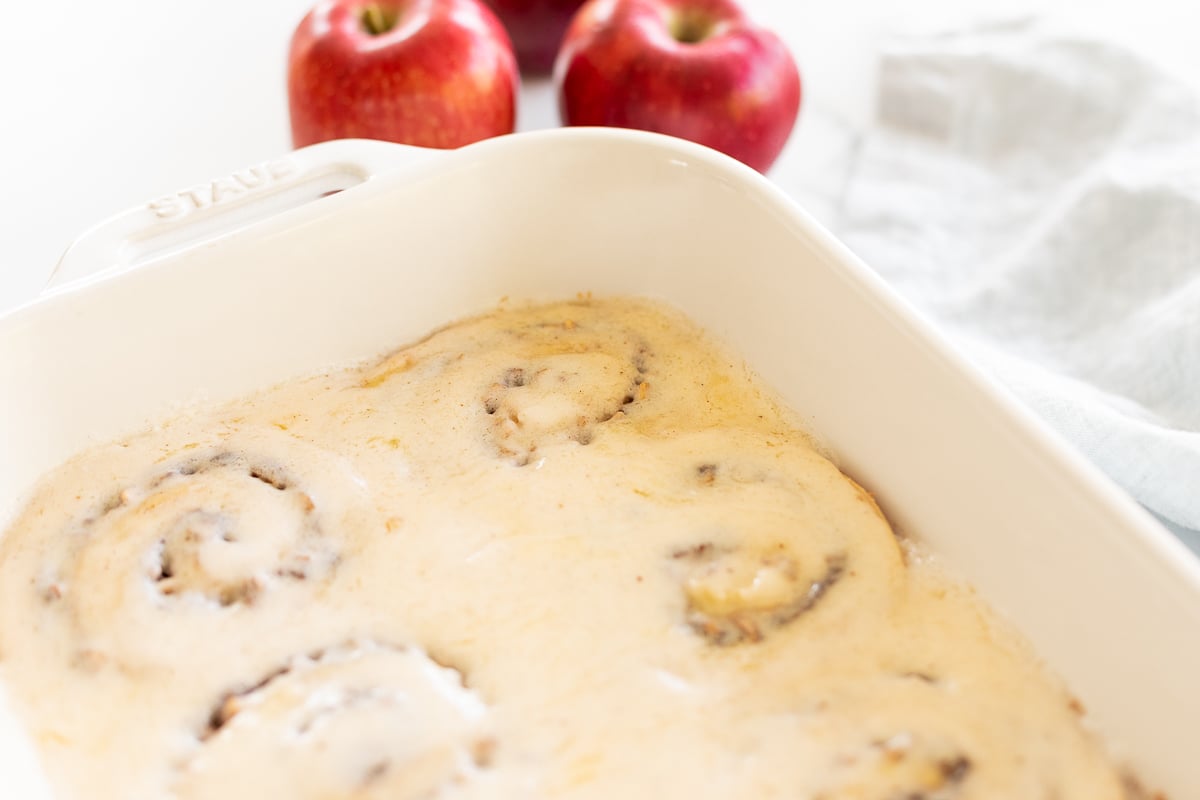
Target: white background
{"points": [[105, 105]]}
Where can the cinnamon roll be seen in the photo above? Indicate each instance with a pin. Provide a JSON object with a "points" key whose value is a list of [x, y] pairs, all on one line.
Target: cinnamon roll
{"points": [[769, 555], [549, 379], [357, 721], [201, 541]]}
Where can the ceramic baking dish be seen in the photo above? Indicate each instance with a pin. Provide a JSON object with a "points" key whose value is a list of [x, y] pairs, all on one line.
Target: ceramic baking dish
{"points": [[250, 279]]}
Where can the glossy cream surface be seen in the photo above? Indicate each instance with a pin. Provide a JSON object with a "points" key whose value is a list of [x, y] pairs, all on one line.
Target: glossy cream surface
{"points": [[562, 551]]}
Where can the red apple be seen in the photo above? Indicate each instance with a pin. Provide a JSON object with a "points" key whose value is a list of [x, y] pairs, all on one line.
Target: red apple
{"points": [[696, 69], [435, 73], [536, 28]]}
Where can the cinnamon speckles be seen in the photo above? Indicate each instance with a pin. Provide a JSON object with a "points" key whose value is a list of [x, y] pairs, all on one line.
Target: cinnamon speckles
{"points": [[641, 359], [696, 552], [51, 590], [919, 675], [513, 378], [113, 502], [955, 770], [483, 751]]}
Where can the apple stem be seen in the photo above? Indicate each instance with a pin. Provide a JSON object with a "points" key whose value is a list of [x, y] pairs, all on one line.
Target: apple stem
{"points": [[377, 20], [690, 28]]}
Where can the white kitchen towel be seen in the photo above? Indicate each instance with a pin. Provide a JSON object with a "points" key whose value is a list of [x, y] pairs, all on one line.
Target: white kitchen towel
{"points": [[1038, 195]]}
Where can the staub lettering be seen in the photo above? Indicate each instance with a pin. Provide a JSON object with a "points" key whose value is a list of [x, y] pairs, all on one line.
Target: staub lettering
{"points": [[222, 189]]}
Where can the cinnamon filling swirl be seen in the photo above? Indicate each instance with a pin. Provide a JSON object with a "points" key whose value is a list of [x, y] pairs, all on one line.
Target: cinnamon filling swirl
{"points": [[743, 594]]}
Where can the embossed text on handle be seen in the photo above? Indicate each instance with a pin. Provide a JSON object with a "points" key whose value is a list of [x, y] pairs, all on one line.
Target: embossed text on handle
{"points": [[223, 189]]}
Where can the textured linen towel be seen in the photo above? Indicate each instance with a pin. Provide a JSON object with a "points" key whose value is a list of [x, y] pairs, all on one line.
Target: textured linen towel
{"points": [[1038, 195]]}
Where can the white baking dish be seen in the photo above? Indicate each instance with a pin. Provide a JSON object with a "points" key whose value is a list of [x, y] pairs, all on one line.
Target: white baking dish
{"points": [[241, 283]]}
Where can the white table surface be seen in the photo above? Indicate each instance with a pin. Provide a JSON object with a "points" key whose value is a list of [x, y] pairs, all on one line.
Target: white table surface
{"points": [[106, 105]]}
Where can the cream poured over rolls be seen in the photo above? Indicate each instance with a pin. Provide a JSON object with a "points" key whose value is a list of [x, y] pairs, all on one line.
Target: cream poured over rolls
{"points": [[563, 551]]}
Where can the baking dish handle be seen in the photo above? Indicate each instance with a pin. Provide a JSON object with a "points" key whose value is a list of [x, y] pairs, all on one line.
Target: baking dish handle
{"points": [[231, 202]]}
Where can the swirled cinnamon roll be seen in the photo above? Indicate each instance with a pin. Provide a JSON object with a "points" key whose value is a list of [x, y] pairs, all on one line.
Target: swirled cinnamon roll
{"points": [[547, 379], [188, 550], [764, 554], [354, 722]]}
